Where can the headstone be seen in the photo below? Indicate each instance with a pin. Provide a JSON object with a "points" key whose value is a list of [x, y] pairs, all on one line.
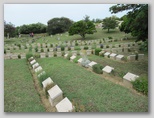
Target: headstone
{"points": [[50, 49], [106, 54], [72, 48], [119, 50], [91, 64], [107, 70], [55, 95], [113, 56], [50, 54], [131, 57], [88, 52], [32, 62], [116, 45], [59, 54], [58, 49], [140, 57], [119, 57], [65, 106], [38, 69], [72, 57], [45, 49], [80, 60], [114, 50], [7, 56], [42, 73], [47, 82], [66, 49], [125, 49], [42, 55], [35, 65], [81, 47], [89, 47], [23, 56], [65, 55]]}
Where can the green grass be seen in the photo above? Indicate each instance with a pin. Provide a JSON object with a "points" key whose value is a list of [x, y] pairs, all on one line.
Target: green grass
{"points": [[90, 90], [137, 67], [19, 91]]}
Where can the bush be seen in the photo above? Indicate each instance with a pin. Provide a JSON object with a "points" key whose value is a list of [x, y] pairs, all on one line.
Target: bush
{"points": [[36, 49], [97, 50], [76, 44], [141, 85], [68, 56], [144, 46], [37, 55], [42, 50], [77, 48], [110, 37], [42, 78], [4, 51], [97, 68], [76, 60], [62, 48], [86, 47], [19, 57], [28, 55]]}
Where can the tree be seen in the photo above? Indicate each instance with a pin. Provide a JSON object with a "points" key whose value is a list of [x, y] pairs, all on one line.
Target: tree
{"points": [[82, 28], [58, 25], [86, 18], [9, 29], [109, 23], [136, 20]]}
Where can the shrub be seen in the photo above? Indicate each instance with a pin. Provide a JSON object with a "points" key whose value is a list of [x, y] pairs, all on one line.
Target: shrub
{"points": [[28, 55], [141, 85], [97, 68], [42, 50], [68, 56], [36, 49], [86, 47], [37, 55], [144, 46], [51, 45], [19, 57], [97, 50], [107, 46], [77, 48], [4, 51], [62, 48], [110, 37], [76, 60], [19, 45], [42, 78], [76, 44]]}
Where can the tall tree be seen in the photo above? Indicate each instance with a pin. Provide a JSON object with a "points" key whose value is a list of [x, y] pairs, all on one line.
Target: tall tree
{"points": [[110, 23], [9, 29], [58, 25], [136, 20], [82, 28]]}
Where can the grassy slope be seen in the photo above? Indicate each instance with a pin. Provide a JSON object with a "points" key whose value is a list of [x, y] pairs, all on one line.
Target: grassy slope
{"points": [[90, 90], [19, 92]]}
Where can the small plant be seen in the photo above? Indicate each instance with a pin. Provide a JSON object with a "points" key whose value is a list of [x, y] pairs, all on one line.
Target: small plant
{"points": [[76, 60], [19, 57], [37, 55], [4, 51], [36, 49], [77, 48], [62, 48], [55, 55], [97, 50], [51, 45], [76, 44], [42, 78], [97, 68], [68, 56], [42, 50], [28, 55], [86, 48], [110, 37], [141, 85], [107, 46]]}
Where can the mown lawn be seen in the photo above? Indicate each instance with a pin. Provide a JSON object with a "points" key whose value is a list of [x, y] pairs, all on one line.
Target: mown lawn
{"points": [[19, 91], [90, 90]]}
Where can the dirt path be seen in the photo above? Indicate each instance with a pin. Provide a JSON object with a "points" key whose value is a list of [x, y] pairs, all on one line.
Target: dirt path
{"points": [[41, 93]]}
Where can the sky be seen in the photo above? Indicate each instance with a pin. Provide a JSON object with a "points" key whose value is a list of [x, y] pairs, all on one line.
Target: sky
{"points": [[20, 14]]}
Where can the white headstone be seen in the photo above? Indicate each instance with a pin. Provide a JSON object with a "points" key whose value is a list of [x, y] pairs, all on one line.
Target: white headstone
{"points": [[35, 65], [119, 57], [108, 69], [55, 95], [130, 76], [64, 106], [106, 54], [72, 57], [47, 82], [113, 56], [32, 62], [92, 63], [42, 73], [38, 69], [80, 60]]}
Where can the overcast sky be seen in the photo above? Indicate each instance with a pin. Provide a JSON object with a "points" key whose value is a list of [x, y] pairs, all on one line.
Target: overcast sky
{"points": [[19, 14]]}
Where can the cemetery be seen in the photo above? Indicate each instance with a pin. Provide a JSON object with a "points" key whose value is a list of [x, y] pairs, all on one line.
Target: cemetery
{"points": [[66, 72]]}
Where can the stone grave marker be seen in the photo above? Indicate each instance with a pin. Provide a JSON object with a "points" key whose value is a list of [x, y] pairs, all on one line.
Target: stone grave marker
{"points": [[119, 57], [72, 57], [65, 106], [55, 95], [140, 57], [131, 57], [59, 54], [47, 82], [38, 69], [80, 60], [42, 55], [107, 70], [91, 64], [23, 56], [88, 52], [58, 49], [106, 54], [35, 65], [113, 56]]}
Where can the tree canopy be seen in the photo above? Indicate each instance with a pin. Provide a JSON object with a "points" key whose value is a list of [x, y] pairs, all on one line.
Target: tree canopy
{"points": [[136, 20], [58, 25], [9, 29], [110, 23], [82, 28]]}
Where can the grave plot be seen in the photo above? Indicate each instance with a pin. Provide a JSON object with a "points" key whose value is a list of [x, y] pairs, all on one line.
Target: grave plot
{"points": [[74, 79]]}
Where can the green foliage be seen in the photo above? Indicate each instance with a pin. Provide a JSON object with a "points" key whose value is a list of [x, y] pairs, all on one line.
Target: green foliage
{"points": [[35, 28], [9, 29], [42, 50], [58, 25], [109, 23], [75, 60], [28, 55], [76, 44], [97, 68], [137, 15], [19, 56], [36, 55], [85, 47], [4, 51], [82, 28], [97, 50], [68, 56], [36, 49], [77, 48], [110, 37], [42, 78], [141, 85], [62, 48], [144, 46]]}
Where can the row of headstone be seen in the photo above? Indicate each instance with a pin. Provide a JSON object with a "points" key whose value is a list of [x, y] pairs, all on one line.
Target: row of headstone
{"points": [[15, 56], [55, 93]]}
